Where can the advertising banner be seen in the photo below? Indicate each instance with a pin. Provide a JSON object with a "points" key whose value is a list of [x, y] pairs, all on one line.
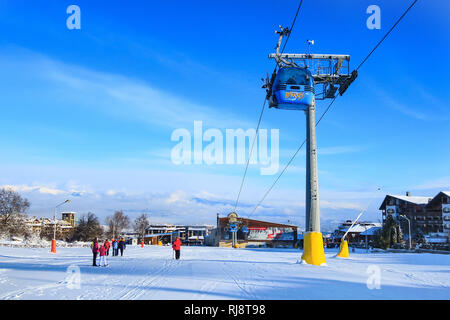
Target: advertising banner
{"points": [[270, 234]]}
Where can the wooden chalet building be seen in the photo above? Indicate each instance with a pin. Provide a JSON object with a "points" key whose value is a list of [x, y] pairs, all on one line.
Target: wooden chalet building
{"points": [[425, 213], [254, 233], [440, 206], [189, 235]]}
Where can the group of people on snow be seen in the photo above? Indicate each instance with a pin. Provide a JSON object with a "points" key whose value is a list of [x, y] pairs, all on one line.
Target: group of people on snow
{"points": [[119, 245], [103, 250]]}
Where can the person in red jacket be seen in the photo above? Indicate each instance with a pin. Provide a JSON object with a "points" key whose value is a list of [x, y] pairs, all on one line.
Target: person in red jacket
{"points": [[177, 246], [107, 246], [95, 251], [102, 251]]}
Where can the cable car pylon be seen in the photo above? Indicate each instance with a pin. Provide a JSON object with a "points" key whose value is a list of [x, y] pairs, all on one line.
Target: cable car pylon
{"points": [[299, 81]]}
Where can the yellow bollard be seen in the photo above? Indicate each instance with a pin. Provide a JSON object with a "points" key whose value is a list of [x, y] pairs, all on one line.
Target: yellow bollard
{"points": [[343, 249], [313, 252]]}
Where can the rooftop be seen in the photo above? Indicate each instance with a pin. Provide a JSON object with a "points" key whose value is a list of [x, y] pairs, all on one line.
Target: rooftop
{"points": [[415, 199]]}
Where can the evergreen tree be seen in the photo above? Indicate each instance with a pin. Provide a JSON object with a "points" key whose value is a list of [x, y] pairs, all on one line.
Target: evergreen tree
{"points": [[390, 234]]}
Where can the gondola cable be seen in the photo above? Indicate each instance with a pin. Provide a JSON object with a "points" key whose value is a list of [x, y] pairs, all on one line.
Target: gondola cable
{"points": [[262, 111]]}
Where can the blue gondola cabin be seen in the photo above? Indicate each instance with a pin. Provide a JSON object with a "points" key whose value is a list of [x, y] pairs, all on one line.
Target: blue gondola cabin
{"points": [[293, 89]]}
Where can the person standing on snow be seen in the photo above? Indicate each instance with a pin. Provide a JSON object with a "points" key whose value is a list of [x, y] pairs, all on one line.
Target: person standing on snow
{"points": [[115, 247], [121, 246], [107, 245], [102, 251], [177, 246], [95, 251]]}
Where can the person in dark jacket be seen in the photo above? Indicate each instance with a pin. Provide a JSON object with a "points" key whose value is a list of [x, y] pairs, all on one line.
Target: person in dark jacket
{"points": [[121, 246], [115, 247], [95, 251], [177, 246]]}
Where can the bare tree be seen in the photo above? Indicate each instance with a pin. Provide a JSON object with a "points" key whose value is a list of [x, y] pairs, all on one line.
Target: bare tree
{"points": [[117, 223], [141, 224], [12, 212]]}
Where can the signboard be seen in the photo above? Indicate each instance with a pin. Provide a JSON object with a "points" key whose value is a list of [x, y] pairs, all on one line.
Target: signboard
{"points": [[392, 210], [233, 228], [232, 217], [245, 229], [286, 234], [259, 229]]}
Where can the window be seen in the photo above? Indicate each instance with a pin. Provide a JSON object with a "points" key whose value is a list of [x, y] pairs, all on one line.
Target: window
{"points": [[292, 75]]}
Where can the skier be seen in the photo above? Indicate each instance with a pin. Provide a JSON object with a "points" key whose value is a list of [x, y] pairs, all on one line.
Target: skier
{"points": [[103, 262], [121, 246], [115, 247], [177, 246], [107, 245], [95, 251]]}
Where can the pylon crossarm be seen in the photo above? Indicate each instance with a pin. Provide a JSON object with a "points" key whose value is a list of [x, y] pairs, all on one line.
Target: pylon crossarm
{"points": [[319, 64], [329, 71]]}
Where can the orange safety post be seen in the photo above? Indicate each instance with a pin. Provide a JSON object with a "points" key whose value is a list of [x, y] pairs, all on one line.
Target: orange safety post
{"points": [[54, 246]]}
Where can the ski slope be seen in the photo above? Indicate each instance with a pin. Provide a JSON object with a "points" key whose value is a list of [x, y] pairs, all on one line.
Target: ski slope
{"points": [[219, 273]]}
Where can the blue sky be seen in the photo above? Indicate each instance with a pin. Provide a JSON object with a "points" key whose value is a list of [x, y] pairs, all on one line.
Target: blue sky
{"points": [[91, 111]]}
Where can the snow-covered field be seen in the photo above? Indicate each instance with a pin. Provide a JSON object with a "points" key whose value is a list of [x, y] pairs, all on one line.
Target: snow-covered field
{"points": [[219, 273]]}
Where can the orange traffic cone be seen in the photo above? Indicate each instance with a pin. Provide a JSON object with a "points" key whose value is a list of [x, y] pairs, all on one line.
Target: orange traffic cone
{"points": [[53, 246]]}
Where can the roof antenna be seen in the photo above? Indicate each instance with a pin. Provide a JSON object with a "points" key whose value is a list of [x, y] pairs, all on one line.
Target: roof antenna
{"points": [[310, 42]]}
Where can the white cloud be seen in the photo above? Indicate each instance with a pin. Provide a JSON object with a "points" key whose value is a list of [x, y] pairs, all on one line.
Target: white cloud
{"points": [[440, 183], [390, 101], [40, 189], [114, 94], [178, 197]]}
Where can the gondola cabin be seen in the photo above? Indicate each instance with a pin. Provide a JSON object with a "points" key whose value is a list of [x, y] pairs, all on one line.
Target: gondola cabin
{"points": [[293, 89]]}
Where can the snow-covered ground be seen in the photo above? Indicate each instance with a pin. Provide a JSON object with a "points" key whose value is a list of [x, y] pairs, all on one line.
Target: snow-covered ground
{"points": [[220, 273]]}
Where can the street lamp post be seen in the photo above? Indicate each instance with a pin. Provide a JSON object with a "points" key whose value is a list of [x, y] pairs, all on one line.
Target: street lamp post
{"points": [[409, 230], [53, 250]]}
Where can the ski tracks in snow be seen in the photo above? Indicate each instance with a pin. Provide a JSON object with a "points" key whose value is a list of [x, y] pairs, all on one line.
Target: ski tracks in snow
{"points": [[39, 290], [238, 279], [148, 282]]}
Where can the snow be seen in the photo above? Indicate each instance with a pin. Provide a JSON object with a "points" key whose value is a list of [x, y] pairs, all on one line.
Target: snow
{"points": [[35, 241], [219, 273], [371, 231], [358, 228], [415, 199]]}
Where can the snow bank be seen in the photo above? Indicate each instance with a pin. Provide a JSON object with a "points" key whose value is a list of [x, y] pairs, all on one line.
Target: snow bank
{"points": [[36, 242], [220, 273]]}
